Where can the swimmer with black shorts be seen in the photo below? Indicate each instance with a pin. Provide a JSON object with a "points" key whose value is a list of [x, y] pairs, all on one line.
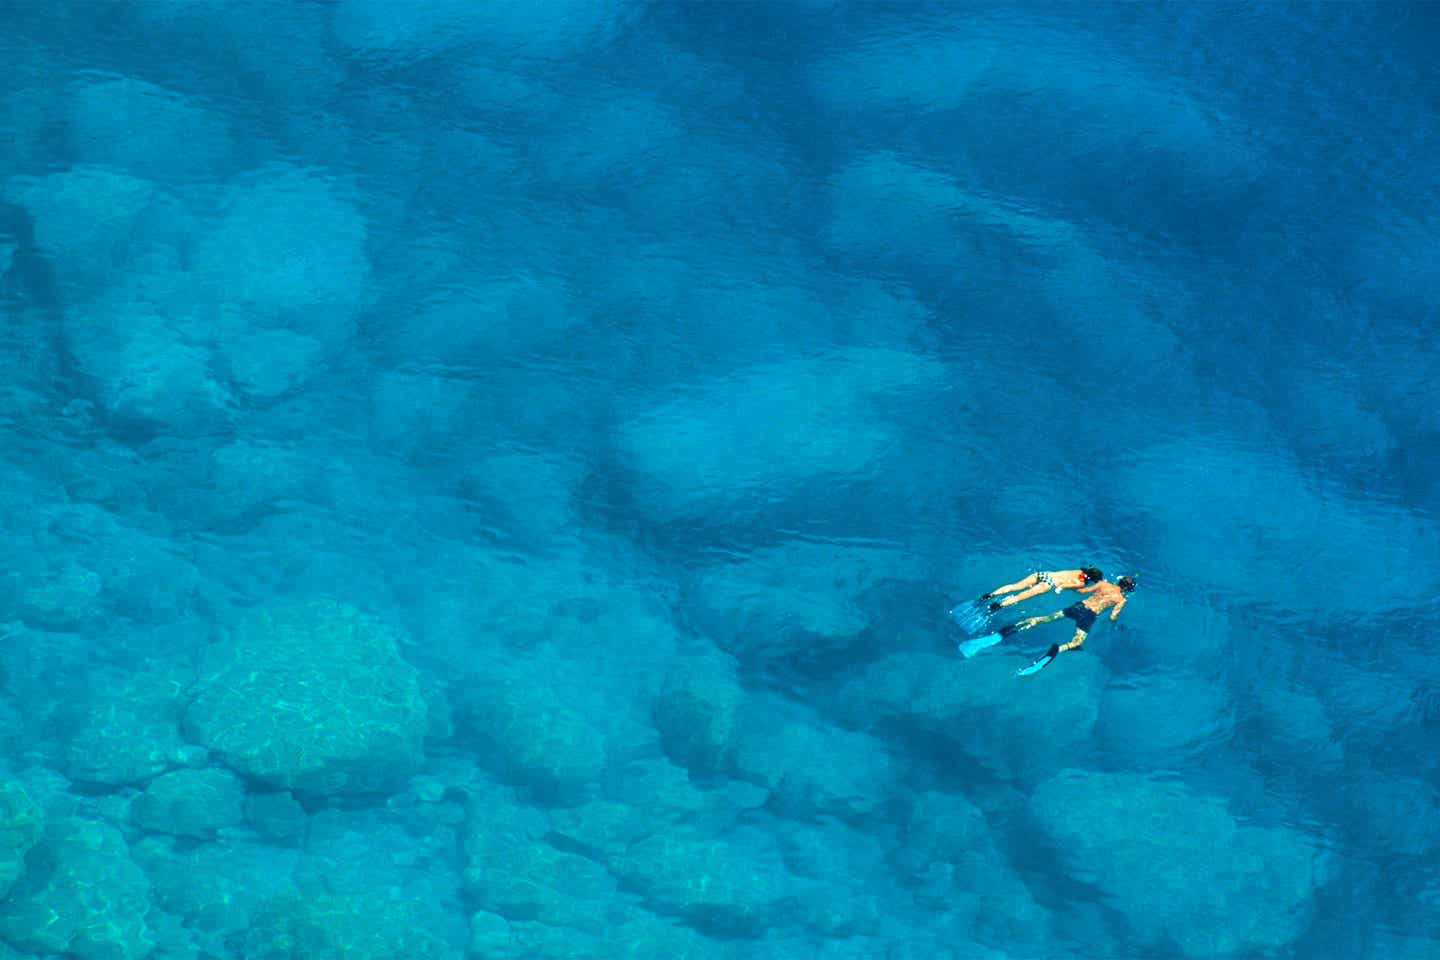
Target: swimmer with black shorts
{"points": [[1102, 596]]}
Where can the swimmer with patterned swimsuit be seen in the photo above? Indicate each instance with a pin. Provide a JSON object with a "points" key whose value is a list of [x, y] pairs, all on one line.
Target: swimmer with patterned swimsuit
{"points": [[1042, 581], [1103, 596]]}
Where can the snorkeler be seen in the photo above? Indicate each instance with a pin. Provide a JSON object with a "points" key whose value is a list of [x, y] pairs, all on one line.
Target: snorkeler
{"points": [[1042, 581], [1103, 596], [974, 617]]}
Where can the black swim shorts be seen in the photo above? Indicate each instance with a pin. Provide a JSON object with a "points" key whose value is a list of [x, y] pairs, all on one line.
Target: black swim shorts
{"points": [[1083, 616]]}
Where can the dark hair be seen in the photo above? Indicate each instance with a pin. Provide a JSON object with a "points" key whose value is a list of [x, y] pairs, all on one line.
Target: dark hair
{"points": [[1092, 574], [1126, 583]]}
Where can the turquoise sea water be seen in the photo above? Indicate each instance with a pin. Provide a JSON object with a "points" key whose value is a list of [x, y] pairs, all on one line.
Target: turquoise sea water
{"points": [[487, 481]]}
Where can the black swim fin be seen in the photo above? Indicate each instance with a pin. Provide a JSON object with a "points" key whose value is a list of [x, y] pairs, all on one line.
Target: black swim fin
{"points": [[1041, 663]]}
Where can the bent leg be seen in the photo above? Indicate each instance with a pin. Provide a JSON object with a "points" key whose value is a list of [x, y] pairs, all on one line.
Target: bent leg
{"points": [[1029, 622], [1076, 642]]}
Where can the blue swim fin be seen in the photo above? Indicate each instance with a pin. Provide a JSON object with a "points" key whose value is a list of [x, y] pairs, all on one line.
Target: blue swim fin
{"points": [[968, 648], [973, 616], [1041, 663]]}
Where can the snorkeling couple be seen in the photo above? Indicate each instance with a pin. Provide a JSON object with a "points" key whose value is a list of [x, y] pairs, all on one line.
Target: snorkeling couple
{"points": [[1102, 595]]}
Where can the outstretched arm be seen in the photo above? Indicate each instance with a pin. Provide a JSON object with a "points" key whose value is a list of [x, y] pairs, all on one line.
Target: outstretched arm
{"points": [[1116, 612], [1090, 589]]}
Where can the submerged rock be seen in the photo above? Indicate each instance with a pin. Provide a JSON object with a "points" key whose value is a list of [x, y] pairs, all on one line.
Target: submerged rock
{"points": [[313, 697], [1178, 865]]}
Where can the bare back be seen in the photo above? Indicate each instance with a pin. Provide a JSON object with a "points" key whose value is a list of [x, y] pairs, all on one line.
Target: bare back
{"points": [[1105, 596]]}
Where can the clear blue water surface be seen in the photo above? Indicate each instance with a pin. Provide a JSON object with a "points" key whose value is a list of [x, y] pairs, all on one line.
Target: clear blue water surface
{"points": [[487, 481]]}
